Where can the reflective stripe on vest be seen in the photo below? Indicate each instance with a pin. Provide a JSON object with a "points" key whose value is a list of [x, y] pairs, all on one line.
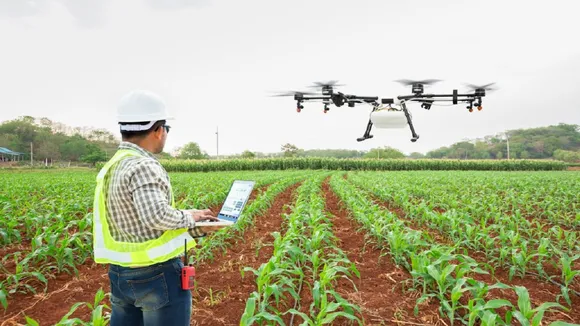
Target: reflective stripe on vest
{"points": [[109, 251]]}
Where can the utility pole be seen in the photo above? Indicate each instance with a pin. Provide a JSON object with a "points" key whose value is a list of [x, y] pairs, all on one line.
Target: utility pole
{"points": [[31, 154], [508, 144], [217, 142]]}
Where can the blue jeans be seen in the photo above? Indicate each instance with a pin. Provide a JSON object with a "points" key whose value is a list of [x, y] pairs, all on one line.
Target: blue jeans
{"points": [[149, 296]]}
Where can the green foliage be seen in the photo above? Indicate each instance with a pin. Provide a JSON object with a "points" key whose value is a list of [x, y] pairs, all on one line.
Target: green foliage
{"points": [[54, 141], [304, 163], [336, 153], [384, 153], [191, 151], [248, 154], [94, 155], [567, 156], [531, 143], [290, 150], [52, 210]]}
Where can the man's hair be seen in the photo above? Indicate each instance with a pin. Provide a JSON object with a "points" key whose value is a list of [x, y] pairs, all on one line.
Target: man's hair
{"points": [[138, 135]]}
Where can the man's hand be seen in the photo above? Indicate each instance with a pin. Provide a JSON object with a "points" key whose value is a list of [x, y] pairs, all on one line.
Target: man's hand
{"points": [[202, 215]]}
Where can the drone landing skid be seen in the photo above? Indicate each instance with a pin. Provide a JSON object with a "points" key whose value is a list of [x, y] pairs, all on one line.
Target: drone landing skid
{"points": [[367, 134]]}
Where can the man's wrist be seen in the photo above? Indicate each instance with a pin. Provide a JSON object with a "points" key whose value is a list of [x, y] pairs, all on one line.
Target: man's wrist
{"points": [[188, 219]]}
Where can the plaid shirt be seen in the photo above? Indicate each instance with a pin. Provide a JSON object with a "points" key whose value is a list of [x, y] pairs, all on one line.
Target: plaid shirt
{"points": [[139, 199]]}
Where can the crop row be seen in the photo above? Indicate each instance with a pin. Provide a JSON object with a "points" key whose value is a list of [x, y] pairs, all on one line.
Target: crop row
{"points": [[312, 163], [508, 240], [439, 271], [305, 259], [46, 222]]}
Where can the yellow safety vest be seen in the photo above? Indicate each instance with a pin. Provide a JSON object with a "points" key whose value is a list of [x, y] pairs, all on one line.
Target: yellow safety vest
{"points": [[109, 251]]}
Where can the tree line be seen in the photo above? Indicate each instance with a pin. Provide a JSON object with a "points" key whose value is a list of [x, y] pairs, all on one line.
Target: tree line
{"points": [[57, 142], [46, 140], [560, 142]]}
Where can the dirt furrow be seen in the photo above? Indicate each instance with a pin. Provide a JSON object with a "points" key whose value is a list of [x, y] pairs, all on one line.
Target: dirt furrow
{"points": [[540, 291], [64, 290], [221, 292], [381, 287]]}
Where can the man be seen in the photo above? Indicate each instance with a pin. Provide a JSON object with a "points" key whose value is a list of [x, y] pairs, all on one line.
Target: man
{"points": [[136, 228]]}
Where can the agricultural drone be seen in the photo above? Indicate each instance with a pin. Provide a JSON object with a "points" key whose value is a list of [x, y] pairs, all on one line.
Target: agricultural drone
{"points": [[390, 112]]}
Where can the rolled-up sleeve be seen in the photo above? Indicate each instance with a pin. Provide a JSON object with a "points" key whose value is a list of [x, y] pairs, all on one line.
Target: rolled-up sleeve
{"points": [[150, 188]]}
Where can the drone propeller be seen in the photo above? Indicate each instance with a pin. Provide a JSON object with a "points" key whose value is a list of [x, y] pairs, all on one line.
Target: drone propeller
{"points": [[486, 87], [326, 85], [408, 82], [292, 93]]}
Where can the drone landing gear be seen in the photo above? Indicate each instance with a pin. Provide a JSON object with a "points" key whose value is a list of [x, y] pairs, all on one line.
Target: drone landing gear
{"points": [[410, 122], [367, 134]]}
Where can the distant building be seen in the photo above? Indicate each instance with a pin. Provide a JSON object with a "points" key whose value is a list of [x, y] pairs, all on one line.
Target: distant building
{"points": [[7, 155]]}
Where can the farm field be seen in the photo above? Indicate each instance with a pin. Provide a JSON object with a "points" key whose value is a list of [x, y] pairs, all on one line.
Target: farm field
{"points": [[321, 246]]}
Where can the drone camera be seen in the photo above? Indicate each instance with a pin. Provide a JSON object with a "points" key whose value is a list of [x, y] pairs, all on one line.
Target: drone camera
{"points": [[351, 104], [387, 101], [426, 105]]}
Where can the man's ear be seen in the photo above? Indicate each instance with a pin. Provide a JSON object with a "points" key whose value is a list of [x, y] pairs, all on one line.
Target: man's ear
{"points": [[158, 133]]}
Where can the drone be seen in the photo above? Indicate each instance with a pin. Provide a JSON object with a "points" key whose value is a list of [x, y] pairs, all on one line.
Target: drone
{"points": [[390, 113]]}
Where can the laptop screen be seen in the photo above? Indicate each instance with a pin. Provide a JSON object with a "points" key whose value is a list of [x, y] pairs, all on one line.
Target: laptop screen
{"points": [[236, 200]]}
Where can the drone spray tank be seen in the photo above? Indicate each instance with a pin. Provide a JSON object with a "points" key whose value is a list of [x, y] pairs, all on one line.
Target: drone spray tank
{"points": [[389, 119]]}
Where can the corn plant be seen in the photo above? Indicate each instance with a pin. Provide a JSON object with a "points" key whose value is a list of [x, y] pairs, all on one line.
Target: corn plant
{"points": [[52, 211], [437, 269], [99, 313], [492, 215], [305, 258]]}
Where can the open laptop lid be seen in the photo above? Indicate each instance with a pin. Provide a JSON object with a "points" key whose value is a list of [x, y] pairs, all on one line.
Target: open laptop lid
{"points": [[236, 200]]}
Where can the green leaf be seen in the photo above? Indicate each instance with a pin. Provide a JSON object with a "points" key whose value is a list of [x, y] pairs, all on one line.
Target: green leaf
{"points": [[524, 303], [31, 322], [331, 317], [489, 319], [521, 318], [3, 300], [497, 303]]}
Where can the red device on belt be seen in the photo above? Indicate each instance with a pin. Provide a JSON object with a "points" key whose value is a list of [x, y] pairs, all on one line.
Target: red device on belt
{"points": [[187, 273]]}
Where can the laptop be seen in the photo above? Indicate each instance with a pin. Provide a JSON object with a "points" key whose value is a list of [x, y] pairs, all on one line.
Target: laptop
{"points": [[234, 204]]}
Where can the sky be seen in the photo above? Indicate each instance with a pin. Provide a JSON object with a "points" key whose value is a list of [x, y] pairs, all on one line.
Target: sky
{"points": [[215, 63]]}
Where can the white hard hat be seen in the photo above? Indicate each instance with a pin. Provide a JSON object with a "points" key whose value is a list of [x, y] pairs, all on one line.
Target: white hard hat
{"points": [[387, 119], [141, 106]]}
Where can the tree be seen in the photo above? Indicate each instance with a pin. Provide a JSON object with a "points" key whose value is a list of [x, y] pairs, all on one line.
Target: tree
{"points": [[191, 151], [416, 155], [384, 153], [94, 154], [248, 154], [290, 150], [163, 156]]}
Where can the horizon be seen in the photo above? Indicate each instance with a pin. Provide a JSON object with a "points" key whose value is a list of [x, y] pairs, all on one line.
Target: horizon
{"points": [[171, 151], [215, 63]]}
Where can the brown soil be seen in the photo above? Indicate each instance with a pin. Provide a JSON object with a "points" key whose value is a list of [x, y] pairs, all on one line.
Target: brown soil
{"points": [[64, 290], [381, 293], [540, 291], [574, 168], [221, 293]]}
